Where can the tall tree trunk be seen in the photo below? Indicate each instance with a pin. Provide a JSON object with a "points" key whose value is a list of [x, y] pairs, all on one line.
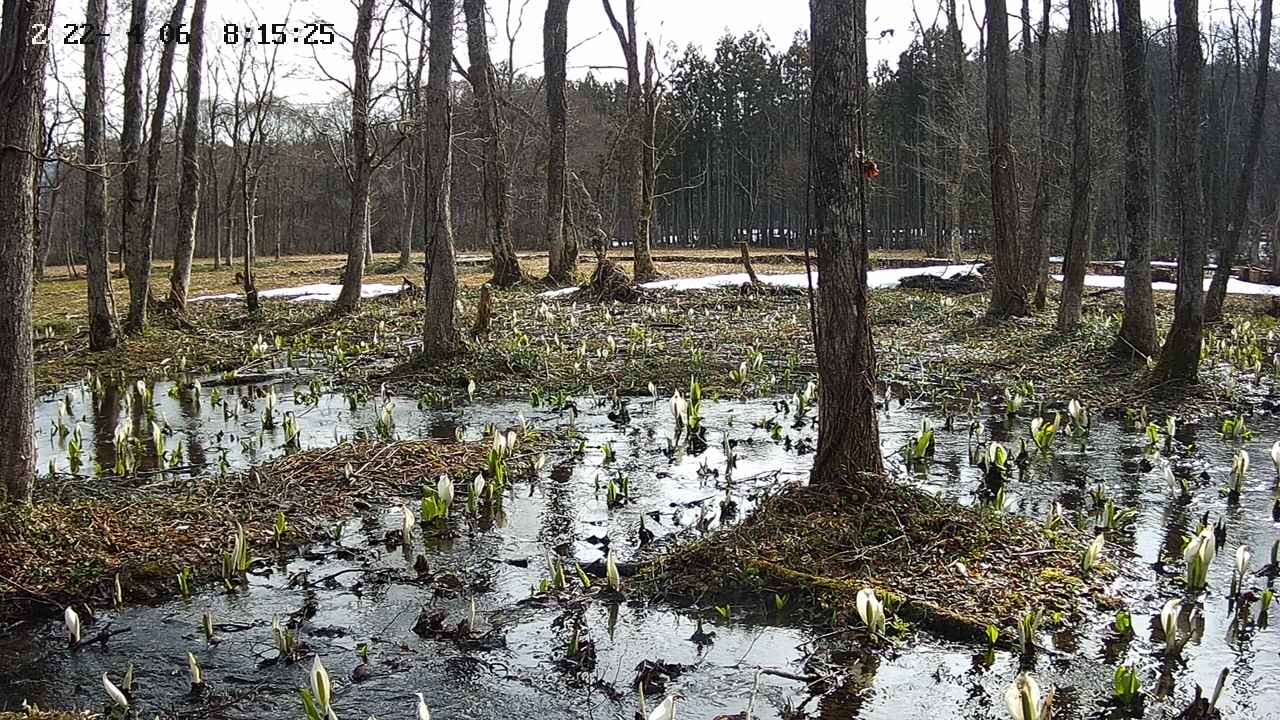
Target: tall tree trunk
{"points": [[1138, 329], [440, 337], [957, 103], [21, 89], [630, 160], [189, 181], [360, 163], [1015, 270], [1076, 261], [1239, 212], [38, 234], [137, 262], [1180, 356], [102, 333], [496, 180], [848, 434], [648, 150], [1042, 98], [561, 248]]}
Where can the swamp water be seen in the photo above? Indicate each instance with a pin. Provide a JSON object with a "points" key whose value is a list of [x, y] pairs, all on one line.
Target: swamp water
{"points": [[360, 592]]}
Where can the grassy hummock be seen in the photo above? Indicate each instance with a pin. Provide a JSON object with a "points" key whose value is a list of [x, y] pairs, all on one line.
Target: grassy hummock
{"points": [[78, 535], [954, 570]]}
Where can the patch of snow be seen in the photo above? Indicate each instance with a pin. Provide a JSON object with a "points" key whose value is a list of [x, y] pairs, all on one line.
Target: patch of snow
{"points": [[876, 279], [1170, 264], [320, 292], [1235, 286]]}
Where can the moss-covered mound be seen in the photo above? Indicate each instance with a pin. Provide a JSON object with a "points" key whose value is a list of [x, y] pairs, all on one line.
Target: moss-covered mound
{"points": [[952, 569]]}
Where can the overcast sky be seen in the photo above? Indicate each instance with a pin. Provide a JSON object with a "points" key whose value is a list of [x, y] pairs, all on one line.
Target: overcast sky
{"points": [[592, 42]]}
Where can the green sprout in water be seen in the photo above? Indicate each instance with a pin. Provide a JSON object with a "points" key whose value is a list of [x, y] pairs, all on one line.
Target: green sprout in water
{"points": [[1126, 686]]}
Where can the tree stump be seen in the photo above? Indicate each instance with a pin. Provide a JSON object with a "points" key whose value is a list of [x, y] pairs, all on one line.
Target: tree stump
{"points": [[484, 312], [746, 262]]}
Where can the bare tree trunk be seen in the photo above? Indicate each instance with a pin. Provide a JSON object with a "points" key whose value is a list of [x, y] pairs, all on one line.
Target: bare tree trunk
{"points": [[440, 336], [21, 89], [1138, 330], [1076, 260], [1015, 270], [648, 151], [630, 147], [496, 180], [102, 333], [189, 182], [137, 261], [848, 434], [1239, 213], [956, 184], [561, 248], [1180, 357], [41, 246], [360, 168]]}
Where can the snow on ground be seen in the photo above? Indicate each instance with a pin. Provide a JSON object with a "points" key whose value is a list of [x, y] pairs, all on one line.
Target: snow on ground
{"points": [[876, 279], [1235, 286], [322, 292], [1170, 264]]}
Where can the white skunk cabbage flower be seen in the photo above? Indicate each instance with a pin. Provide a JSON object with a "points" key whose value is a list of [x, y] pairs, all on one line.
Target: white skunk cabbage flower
{"points": [[1198, 555], [1079, 414], [193, 665], [114, 692], [321, 688], [1275, 455], [477, 487], [423, 712], [1092, 553], [611, 573], [444, 490], [679, 408], [871, 610], [71, 620], [1023, 698], [407, 520], [666, 710], [1240, 463], [1169, 622], [1243, 555]]}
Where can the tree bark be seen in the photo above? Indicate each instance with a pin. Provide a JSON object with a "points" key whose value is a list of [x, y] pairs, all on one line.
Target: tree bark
{"points": [[1014, 269], [102, 333], [1076, 259], [848, 434], [189, 182], [360, 164], [37, 195], [1239, 213], [22, 66], [440, 336], [137, 261], [648, 152], [1138, 329], [630, 147], [1180, 356], [561, 248], [496, 180]]}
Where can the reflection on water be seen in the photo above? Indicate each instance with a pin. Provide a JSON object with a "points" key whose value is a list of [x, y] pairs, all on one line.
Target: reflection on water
{"points": [[519, 669]]}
